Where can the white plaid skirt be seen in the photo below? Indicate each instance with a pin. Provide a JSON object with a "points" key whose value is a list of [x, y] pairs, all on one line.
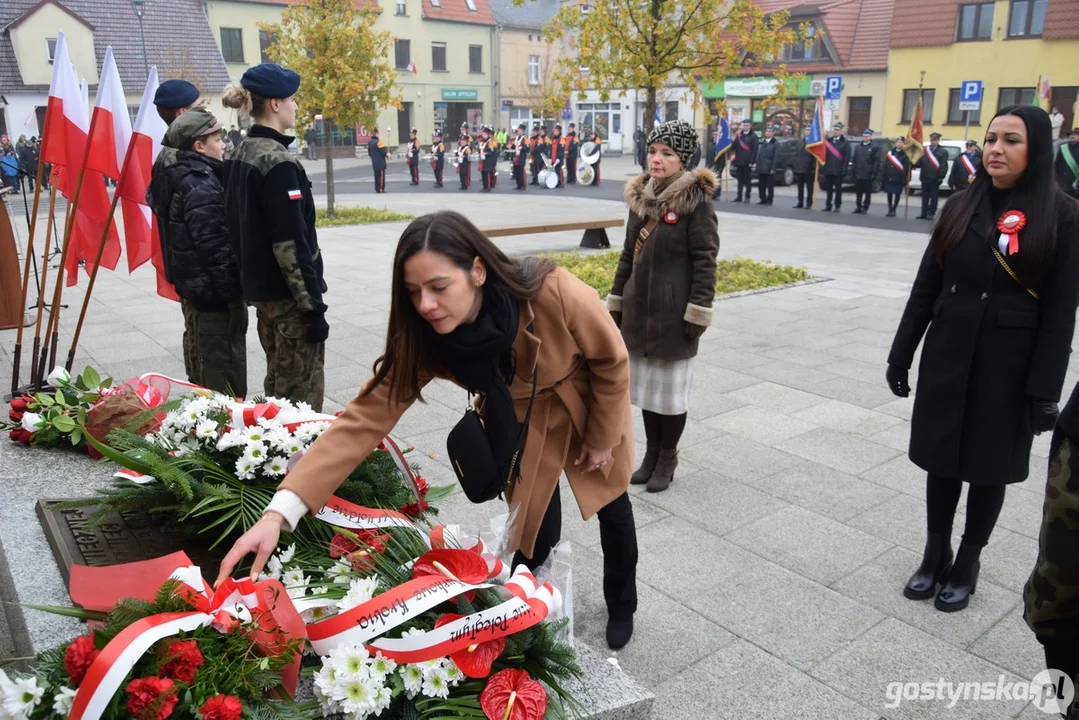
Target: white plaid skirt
{"points": [[660, 386]]}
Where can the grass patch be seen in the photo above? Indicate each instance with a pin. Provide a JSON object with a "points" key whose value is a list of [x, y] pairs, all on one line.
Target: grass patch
{"points": [[734, 275], [357, 216]]}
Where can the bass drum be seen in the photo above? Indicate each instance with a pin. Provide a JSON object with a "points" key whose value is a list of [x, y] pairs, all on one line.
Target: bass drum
{"points": [[585, 174], [548, 178]]}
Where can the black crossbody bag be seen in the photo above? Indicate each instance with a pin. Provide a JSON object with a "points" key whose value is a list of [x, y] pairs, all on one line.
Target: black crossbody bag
{"points": [[473, 460]]}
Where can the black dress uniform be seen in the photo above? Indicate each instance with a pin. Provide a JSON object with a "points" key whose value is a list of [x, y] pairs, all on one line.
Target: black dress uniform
{"points": [[866, 161], [271, 223], [520, 147], [488, 150], [464, 162], [573, 149], [835, 167], [804, 166], [438, 158], [896, 170], [378, 152], [599, 156], [558, 155], [534, 150], [934, 166], [767, 156], [414, 158], [745, 154], [960, 176]]}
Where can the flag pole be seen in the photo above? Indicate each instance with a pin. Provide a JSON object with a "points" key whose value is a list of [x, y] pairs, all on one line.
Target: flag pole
{"points": [[816, 178], [26, 285], [93, 279], [906, 193], [43, 284]]}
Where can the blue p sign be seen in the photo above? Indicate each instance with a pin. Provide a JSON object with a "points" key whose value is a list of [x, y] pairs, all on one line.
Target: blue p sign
{"points": [[833, 87], [971, 90]]}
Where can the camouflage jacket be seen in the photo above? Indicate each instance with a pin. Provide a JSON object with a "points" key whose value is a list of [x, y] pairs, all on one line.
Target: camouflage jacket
{"points": [[271, 218]]}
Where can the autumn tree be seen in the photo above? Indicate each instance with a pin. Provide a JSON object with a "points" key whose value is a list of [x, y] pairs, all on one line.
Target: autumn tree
{"points": [[343, 62], [650, 44], [548, 96]]}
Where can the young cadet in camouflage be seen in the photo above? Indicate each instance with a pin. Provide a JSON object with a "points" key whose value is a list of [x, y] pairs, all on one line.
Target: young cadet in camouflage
{"points": [[189, 202], [271, 216], [1051, 596]]}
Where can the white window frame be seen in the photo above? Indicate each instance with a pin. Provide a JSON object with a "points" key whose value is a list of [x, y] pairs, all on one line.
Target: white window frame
{"points": [[402, 7], [50, 52], [533, 69], [445, 57], [471, 5]]}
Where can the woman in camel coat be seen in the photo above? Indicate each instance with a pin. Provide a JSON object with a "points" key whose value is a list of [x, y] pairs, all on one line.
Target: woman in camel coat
{"points": [[463, 311]]}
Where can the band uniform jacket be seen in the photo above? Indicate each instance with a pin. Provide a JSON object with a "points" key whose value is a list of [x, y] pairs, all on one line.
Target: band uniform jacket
{"points": [[490, 156], [378, 152], [582, 395], [989, 347], [414, 153], [520, 150], [745, 149], [929, 173], [438, 155]]}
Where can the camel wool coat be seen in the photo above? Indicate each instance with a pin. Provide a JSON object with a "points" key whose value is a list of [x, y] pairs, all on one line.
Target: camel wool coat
{"points": [[582, 395]]}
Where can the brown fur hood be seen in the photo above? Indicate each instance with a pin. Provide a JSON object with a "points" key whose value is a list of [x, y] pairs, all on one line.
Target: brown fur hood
{"points": [[682, 196]]}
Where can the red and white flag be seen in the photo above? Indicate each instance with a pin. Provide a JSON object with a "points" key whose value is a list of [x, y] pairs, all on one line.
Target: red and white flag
{"points": [[63, 141], [140, 225]]}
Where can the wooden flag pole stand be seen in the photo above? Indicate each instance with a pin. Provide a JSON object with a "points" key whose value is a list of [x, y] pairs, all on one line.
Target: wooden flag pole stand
{"points": [[42, 287], [906, 194], [93, 279], [814, 190], [26, 284]]}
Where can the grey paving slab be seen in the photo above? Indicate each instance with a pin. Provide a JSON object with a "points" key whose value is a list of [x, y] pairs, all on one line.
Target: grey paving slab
{"points": [[1009, 558], [791, 374], [744, 682], [738, 458], [895, 653], [838, 450], [867, 395], [777, 397], [849, 418], [823, 490], [714, 502], [899, 474], [902, 520], [1011, 645], [760, 424], [1022, 511]]}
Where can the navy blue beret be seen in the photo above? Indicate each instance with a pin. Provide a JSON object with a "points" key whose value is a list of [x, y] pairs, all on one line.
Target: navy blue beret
{"points": [[175, 94], [270, 80]]}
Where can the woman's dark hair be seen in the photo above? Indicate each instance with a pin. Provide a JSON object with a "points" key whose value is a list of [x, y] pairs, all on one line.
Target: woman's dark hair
{"points": [[1036, 194], [410, 340]]}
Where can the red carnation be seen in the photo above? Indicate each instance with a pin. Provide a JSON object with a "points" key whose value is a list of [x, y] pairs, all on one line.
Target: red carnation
{"points": [[421, 483], [222, 707], [20, 435], [19, 404], [415, 509], [151, 698], [79, 656], [182, 661], [14, 415]]}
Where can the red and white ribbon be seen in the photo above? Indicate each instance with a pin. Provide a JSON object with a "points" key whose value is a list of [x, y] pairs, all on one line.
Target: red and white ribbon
{"points": [[932, 158], [245, 415], [968, 165], [528, 606], [230, 604], [896, 162]]}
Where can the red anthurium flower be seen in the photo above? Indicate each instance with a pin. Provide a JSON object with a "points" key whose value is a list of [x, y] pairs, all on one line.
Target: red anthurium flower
{"points": [[463, 565], [222, 707], [475, 661], [513, 695]]}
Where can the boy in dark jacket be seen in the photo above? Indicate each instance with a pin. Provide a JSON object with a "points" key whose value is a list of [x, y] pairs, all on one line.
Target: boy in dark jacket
{"points": [[189, 201]]}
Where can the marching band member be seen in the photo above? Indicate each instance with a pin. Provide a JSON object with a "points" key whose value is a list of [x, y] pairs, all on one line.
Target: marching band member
{"points": [[521, 148], [378, 153], [464, 161], [438, 157], [558, 155], [599, 156], [534, 153], [490, 159], [414, 157], [573, 147]]}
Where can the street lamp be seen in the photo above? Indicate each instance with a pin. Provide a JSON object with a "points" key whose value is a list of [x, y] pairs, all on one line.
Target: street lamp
{"points": [[139, 6]]}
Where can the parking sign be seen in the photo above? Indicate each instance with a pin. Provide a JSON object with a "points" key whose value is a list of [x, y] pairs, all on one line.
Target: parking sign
{"points": [[970, 95], [833, 87]]}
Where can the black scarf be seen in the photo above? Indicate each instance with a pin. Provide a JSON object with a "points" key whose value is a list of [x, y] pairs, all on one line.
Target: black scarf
{"points": [[480, 356]]}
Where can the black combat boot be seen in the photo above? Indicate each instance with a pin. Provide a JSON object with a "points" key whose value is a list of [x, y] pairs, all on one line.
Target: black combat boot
{"points": [[962, 580]]}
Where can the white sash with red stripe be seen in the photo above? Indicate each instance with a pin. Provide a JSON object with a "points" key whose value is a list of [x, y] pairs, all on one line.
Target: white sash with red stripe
{"points": [[968, 164], [932, 157], [896, 162]]}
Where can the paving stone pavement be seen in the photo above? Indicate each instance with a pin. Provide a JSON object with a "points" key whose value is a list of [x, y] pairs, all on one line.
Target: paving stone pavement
{"points": [[770, 572]]}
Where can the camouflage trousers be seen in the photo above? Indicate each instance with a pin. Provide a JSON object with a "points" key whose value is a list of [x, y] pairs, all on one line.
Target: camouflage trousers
{"points": [[1051, 595], [294, 367], [215, 348]]}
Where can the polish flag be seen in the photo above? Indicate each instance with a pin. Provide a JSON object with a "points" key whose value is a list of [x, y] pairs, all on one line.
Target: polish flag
{"points": [[63, 140], [140, 225]]}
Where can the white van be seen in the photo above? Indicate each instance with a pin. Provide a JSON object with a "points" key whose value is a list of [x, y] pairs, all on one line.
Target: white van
{"points": [[954, 148]]}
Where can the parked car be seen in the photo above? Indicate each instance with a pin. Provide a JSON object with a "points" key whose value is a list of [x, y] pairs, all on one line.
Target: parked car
{"points": [[954, 149], [884, 146]]}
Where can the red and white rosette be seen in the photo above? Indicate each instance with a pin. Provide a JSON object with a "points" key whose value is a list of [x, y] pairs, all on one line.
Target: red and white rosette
{"points": [[530, 604], [1009, 224], [236, 601]]}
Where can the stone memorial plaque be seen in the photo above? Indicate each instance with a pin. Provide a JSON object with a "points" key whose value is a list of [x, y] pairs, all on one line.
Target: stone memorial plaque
{"points": [[121, 538]]}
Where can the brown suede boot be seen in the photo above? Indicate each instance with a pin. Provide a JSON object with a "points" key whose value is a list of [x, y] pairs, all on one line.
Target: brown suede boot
{"points": [[648, 466], [664, 472]]}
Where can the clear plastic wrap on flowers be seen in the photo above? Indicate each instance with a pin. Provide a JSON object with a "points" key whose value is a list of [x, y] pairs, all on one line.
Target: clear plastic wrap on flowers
{"points": [[127, 406]]}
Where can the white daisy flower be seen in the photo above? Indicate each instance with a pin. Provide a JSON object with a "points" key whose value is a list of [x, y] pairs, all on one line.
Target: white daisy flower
{"points": [[273, 568], [255, 433], [382, 666], [256, 451], [351, 662], [61, 702], [319, 590], [326, 677], [324, 695], [315, 614], [340, 571], [383, 698], [451, 672], [288, 553], [230, 439], [206, 429], [431, 668], [304, 407], [246, 468], [360, 590], [436, 686], [18, 698], [356, 696], [295, 582], [412, 676], [275, 467]]}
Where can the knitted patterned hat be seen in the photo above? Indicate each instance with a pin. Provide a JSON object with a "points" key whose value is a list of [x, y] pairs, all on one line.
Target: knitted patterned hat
{"points": [[679, 136]]}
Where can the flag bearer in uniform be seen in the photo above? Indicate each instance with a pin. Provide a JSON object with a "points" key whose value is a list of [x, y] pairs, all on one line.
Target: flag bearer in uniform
{"points": [[414, 157], [520, 148], [438, 157], [271, 220]]}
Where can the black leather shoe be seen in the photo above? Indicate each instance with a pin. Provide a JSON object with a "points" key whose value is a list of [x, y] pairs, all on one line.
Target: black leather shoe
{"points": [[618, 633], [936, 563], [962, 580], [737, 199], [836, 209], [799, 206], [826, 209], [856, 211]]}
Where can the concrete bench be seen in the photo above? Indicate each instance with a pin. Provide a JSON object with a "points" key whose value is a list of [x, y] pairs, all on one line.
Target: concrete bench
{"points": [[595, 231]]}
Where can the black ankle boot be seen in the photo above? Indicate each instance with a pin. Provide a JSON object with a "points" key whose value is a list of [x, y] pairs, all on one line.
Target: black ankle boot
{"points": [[936, 563], [619, 632], [962, 580], [648, 466]]}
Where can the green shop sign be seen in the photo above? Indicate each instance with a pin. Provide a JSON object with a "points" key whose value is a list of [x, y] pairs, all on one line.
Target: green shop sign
{"points": [[755, 87], [460, 94]]}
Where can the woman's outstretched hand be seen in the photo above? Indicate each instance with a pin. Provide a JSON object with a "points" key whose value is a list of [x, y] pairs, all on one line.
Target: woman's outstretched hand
{"points": [[261, 539], [591, 459]]}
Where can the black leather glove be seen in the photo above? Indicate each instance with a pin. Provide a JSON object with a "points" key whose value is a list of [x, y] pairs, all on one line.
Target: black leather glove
{"points": [[317, 327], [694, 331], [1043, 415], [617, 316], [897, 381]]}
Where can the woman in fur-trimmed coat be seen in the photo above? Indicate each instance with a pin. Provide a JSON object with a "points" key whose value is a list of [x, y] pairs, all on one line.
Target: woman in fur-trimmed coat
{"points": [[663, 290]]}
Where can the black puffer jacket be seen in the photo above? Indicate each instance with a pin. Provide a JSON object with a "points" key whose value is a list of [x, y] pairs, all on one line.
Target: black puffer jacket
{"points": [[189, 201]]}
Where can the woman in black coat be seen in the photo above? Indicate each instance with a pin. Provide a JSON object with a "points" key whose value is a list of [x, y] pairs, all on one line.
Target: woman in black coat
{"points": [[896, 170], [1000, 312]]}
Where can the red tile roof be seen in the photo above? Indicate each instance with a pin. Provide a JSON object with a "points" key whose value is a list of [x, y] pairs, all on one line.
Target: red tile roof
{"points": [[1061, 20], [457, 11], [912, 28]]}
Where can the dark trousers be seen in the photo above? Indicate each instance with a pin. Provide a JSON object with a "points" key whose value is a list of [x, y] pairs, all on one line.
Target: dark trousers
{"points": [[595, 178], [744, 177], [766, 187], [439, 168], [618, 538], [537, 165], [1064, 656], [465, 171], [571, 170], [414, 172], [485, 179], [893, 201], [983, 508], [380, 180], [215, 348], [519, 176], [295, 368], [863, 192], [930, 195], [805, 188], [833, 186]]}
